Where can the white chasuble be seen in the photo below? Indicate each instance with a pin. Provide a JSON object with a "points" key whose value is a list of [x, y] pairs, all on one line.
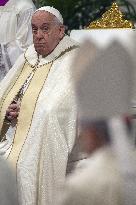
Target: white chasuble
{"points": [[46, 126]]}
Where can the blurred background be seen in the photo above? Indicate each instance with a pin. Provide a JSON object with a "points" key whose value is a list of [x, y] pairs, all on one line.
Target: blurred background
{"points": [[79, 13]]}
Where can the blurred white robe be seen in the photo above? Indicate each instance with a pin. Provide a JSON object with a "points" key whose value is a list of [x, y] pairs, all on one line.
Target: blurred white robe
{"points": [[42, 162], [15, 35], [97, 183]]}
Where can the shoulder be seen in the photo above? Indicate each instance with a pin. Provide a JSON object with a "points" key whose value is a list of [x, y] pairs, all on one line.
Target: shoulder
{"points": [[70, 48]]}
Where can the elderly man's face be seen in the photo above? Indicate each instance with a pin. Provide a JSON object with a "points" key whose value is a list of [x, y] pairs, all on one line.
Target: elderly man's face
{"points": [[93, 135], [47, 32], [90, 141]]}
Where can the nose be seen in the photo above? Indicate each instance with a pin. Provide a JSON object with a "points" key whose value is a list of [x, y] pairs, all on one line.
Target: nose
{"points": [[39, 34]]}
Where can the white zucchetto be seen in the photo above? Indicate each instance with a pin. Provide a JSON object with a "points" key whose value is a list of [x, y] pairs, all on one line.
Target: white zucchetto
{"points": [[53, 11]]}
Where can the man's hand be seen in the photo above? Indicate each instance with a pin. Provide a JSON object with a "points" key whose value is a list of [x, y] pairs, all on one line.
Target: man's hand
{"points": [[12, 111]]}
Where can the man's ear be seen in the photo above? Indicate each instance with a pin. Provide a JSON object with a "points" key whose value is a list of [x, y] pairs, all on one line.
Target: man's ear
{"points": [[62, 31]]}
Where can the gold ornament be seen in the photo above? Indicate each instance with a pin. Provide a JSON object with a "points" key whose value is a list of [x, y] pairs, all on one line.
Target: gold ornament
{"points": [[113, 18]]}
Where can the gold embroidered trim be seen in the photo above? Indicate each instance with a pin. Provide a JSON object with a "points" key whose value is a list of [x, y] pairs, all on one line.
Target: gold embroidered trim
{"points": [[113, 18], [26, 112], [61, 54], [2, 113]]}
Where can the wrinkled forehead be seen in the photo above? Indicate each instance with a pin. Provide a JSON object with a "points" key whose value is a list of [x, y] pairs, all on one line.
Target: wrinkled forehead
{"points": [[40, 17]]}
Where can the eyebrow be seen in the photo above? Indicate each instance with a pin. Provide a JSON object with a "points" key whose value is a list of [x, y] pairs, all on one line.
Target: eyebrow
{"points": [[44, 24]]}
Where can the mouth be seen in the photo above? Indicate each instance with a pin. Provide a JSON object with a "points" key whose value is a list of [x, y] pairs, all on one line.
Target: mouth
{"points": [[39, 44]]}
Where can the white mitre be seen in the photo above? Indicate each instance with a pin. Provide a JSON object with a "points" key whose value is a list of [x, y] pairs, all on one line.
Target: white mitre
{"points": [[53, 11], [102, 79]]}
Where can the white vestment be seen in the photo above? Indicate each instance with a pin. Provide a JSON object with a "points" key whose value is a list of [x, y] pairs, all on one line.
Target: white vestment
{"points": [[8, 191], [97, 183], [41, 166], [15, 35]]}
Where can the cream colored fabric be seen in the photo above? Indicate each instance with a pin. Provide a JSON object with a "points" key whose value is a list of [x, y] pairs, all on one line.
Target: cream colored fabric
{"points": [[97, 183], [42, 162], [27, 108], [15, 35]]}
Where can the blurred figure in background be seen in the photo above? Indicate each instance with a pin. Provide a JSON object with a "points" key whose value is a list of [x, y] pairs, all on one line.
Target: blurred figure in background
{"points": [[96, 180], [15, 31], [103, 83]]}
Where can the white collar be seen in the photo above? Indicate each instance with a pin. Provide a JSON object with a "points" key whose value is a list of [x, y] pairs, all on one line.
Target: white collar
{"points": [[64, 45]]}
